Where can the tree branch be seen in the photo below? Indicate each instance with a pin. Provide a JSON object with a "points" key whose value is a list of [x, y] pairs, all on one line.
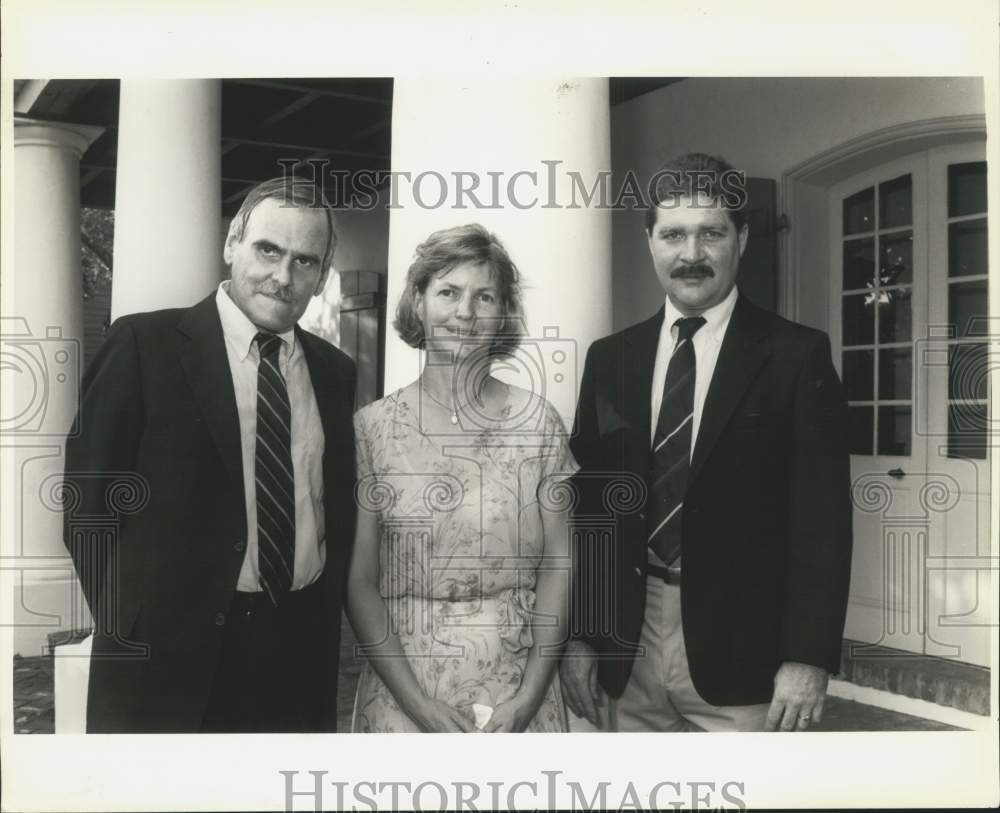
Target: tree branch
{"points": [[97, 250]]}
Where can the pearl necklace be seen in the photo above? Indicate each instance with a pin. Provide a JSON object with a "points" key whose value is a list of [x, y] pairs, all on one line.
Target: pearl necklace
{"points": [[452, 410]]}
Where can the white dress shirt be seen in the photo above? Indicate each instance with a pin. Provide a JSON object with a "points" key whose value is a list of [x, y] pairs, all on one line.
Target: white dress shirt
{"points": [[706, 341], [307, 443]]}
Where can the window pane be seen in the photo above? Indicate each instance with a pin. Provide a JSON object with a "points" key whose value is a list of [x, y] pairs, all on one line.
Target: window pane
{"points": [[968, 371], [859, 375], [895, 372], [966, 189], [894, 430], [967, 431], [859, 263], [966, 305], [895, 202], [859, 211], [894, 315], [896, 267], [859, 429], [967, 248], [858, 319]]}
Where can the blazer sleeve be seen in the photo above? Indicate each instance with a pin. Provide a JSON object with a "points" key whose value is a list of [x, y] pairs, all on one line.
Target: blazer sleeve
{"points": [[588, 573], [102, 445], [819, 540]]}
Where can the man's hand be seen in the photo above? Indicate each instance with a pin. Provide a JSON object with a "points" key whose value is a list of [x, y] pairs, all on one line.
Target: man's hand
{"points": [[799, 691], [578, 674]]}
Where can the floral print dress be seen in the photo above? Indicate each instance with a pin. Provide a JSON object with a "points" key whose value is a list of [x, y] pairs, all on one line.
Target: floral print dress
{"points": [[460, 521]]}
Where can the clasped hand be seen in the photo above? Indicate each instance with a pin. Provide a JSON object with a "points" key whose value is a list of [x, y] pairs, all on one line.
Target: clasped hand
{"points": [[437, 717], [515, 715]]}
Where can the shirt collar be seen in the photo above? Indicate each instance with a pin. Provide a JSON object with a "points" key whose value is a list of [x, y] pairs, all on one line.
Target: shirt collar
{"points": [[239, 330], [716, 317]]}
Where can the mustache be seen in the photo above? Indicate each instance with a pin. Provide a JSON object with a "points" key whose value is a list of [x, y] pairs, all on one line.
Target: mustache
{"points": [[693, 271], [284, 294]]}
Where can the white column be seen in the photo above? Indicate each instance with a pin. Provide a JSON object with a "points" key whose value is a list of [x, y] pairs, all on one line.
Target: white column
{"points": [[546, 130], [42, 334], [168, 194], [47, 269]]}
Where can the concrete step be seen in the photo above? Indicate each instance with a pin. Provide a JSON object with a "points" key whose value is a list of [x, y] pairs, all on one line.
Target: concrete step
{"points": [[923, 677]]}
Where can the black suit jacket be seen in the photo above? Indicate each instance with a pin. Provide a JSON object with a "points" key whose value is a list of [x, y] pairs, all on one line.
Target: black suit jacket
{"points": [[766, 547], [158, 417]]}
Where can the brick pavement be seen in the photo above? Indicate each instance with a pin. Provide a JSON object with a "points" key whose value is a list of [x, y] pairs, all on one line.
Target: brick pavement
{"points": [[34, 706]]}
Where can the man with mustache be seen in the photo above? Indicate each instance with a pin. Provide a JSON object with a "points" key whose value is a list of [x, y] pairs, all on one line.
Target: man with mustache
{"points": [[217, 605], [719, 603]]}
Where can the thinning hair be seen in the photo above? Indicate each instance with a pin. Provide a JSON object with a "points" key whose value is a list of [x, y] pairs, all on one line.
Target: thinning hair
{"points": [[443, 251], [693, 173], [291, 192]]}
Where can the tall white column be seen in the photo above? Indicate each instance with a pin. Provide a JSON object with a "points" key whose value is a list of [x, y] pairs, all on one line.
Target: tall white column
{"points": [[47, 269], [42, 334], [488, 131], [168, 194]]}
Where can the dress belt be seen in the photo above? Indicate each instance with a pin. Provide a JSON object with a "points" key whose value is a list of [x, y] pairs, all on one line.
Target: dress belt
{"points": [[670, 575]]}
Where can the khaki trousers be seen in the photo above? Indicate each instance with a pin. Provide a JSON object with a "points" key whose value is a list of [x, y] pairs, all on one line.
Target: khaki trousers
{"points": [[660, 695]]}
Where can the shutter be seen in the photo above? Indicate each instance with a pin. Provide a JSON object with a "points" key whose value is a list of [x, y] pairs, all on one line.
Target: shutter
{"points": [[758, 278]]}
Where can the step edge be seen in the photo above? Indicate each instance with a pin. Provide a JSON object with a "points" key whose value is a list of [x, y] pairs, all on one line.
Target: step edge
{"points": [[913, 706]]}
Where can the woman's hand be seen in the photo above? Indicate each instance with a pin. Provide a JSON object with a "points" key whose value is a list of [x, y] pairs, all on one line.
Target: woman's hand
{"points": [[437, 717], [513, 716]]}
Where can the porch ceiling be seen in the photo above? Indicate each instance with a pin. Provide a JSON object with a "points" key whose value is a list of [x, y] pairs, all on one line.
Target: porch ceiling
{"points": [[348, 122]]}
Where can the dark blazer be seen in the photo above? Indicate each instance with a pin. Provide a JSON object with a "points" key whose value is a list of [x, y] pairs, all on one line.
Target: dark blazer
{"points": [[158, 410], [766, 547]]}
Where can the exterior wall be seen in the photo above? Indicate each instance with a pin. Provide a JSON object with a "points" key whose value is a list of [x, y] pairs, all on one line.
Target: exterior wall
{"points": [[363, 239], [765, 127]]}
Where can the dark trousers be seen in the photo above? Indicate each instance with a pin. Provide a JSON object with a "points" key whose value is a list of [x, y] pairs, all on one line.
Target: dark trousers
{"points": [[270, 677]]}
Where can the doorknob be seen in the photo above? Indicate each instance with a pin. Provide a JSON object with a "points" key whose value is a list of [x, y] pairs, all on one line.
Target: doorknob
{"points": [[897, 474]]}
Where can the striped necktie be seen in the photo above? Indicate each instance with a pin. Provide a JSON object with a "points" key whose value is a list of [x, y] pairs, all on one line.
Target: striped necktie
{"points": [[274, 473], [672, 447]]}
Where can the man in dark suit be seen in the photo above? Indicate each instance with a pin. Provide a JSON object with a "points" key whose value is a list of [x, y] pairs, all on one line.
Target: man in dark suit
{"points": [[719, 603], [217, 605]]}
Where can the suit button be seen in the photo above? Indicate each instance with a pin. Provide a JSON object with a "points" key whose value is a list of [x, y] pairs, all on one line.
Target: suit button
{"points": [[220, 619], [638, 571], [642, 515], [240, 546]]}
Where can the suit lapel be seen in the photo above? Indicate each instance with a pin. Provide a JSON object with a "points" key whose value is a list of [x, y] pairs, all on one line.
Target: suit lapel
{"points": [[637, 363], [206, 366], [325, 386], [744, 349]]}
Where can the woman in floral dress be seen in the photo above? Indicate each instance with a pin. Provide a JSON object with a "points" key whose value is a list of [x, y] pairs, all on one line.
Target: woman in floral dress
{"points": [[459, 581]]}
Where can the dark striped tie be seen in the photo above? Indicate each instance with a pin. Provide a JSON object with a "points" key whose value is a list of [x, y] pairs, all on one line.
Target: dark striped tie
{"points": [[274, 473], [672, 446]]}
